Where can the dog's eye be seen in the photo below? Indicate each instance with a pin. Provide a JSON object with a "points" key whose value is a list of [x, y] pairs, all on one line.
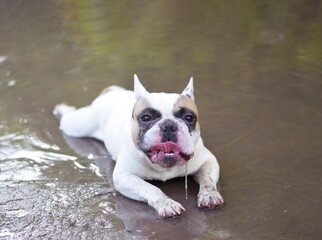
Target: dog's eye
{"points": [[189, 118], [146, 118]]}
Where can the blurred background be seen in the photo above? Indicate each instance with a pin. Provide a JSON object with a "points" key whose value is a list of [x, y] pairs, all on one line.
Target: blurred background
{"points": [[257, 67]]}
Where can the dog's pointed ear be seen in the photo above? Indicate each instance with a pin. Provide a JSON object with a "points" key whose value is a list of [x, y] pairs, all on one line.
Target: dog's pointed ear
{"points": [[139, 90], [188, 91]]}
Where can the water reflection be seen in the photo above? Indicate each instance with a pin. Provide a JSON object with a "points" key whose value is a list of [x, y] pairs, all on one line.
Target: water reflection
{"points": [[253, 37]]}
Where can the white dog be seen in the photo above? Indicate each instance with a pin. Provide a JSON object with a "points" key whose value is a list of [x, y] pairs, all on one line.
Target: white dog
{"points": [[151, 136]]}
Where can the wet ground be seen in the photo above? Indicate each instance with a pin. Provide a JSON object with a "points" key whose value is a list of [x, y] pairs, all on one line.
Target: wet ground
{"points": [[258, 79]]}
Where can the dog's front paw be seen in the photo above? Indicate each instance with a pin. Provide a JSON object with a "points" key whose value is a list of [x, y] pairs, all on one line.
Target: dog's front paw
{"points": [[168, 208], [210, 199]]}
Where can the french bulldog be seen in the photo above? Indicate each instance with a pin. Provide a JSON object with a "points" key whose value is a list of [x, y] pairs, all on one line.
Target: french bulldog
{"points": [[151, 136]]}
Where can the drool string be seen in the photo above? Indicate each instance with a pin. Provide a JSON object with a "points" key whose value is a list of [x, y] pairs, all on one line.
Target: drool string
{"points": [[186, 181]]}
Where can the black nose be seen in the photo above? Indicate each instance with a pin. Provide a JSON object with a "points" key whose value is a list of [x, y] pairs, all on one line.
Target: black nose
{"points": [[168, 131], [169, 128]]}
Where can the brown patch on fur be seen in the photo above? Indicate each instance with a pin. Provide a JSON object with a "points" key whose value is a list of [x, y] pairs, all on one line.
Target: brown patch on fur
{"points": [[140, 105], [186, 102], [111, 88], [105, 90]]}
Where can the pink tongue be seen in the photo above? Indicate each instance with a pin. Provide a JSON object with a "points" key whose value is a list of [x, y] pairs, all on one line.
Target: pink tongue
{"points": [[167, 147]]}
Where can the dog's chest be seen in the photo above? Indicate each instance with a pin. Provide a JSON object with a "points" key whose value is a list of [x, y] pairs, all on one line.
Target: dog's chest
{"points": [[163, 174]]}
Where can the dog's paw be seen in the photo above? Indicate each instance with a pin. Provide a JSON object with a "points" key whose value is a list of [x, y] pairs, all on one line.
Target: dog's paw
{"points": [[210, 199], [168, 208], [62, 109]]}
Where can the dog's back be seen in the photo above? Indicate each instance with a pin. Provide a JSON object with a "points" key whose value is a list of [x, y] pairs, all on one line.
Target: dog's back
{"points": [[106, 119], [113, 111]]}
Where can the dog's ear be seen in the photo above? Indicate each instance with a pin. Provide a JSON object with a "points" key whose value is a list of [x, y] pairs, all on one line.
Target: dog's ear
{"points": [[188, 91], [139, 90]]}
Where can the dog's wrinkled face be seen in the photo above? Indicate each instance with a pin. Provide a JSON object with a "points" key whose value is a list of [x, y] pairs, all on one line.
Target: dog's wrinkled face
{"points": [[165, 126]]}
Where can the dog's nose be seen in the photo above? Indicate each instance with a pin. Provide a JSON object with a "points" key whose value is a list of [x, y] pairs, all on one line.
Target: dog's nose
{"points": [[168, 131], [169, 128]]}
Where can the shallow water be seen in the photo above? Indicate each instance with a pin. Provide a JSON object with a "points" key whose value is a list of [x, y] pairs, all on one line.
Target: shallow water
{"points": [[257, 69]]}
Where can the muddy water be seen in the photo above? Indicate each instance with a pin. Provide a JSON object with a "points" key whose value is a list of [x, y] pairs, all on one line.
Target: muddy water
{"points": [[257, 69]]}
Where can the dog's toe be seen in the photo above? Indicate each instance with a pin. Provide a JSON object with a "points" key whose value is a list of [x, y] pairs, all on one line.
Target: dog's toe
{"points": [[168, 208], [210, 199]]}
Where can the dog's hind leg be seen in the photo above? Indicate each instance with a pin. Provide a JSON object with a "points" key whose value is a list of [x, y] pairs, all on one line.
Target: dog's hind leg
{"points": [[76, 122]]}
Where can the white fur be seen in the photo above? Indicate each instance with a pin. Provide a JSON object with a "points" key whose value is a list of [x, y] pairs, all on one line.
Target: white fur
{"points": [[109, 119]]}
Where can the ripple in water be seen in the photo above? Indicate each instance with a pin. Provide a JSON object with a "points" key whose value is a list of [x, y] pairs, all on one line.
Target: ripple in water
{"points": [[24, 157]]}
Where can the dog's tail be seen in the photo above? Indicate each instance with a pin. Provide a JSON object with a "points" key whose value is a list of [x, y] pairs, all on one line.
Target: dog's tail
{"points": [[62, 109]]}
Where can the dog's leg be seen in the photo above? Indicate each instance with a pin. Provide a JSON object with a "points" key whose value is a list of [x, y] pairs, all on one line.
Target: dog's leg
{"points": [[207, 177], [76, 123], [136, 188]]}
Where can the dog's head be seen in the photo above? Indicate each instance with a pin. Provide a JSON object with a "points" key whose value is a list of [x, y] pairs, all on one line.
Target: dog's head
{"points": [[165, 125]]}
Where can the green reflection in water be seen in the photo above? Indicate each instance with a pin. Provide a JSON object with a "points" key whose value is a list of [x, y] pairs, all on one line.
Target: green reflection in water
{"points": [[251, 36]]}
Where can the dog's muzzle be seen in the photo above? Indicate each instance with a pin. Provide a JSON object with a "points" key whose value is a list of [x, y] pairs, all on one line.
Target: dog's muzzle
{"points": [[167, 155]]}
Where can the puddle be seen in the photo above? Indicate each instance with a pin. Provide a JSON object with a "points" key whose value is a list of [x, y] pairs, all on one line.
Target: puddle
{"points": [[257, 70]]}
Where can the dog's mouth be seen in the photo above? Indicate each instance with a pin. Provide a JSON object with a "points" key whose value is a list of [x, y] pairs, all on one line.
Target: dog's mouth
{"points": [[167, 154]]}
